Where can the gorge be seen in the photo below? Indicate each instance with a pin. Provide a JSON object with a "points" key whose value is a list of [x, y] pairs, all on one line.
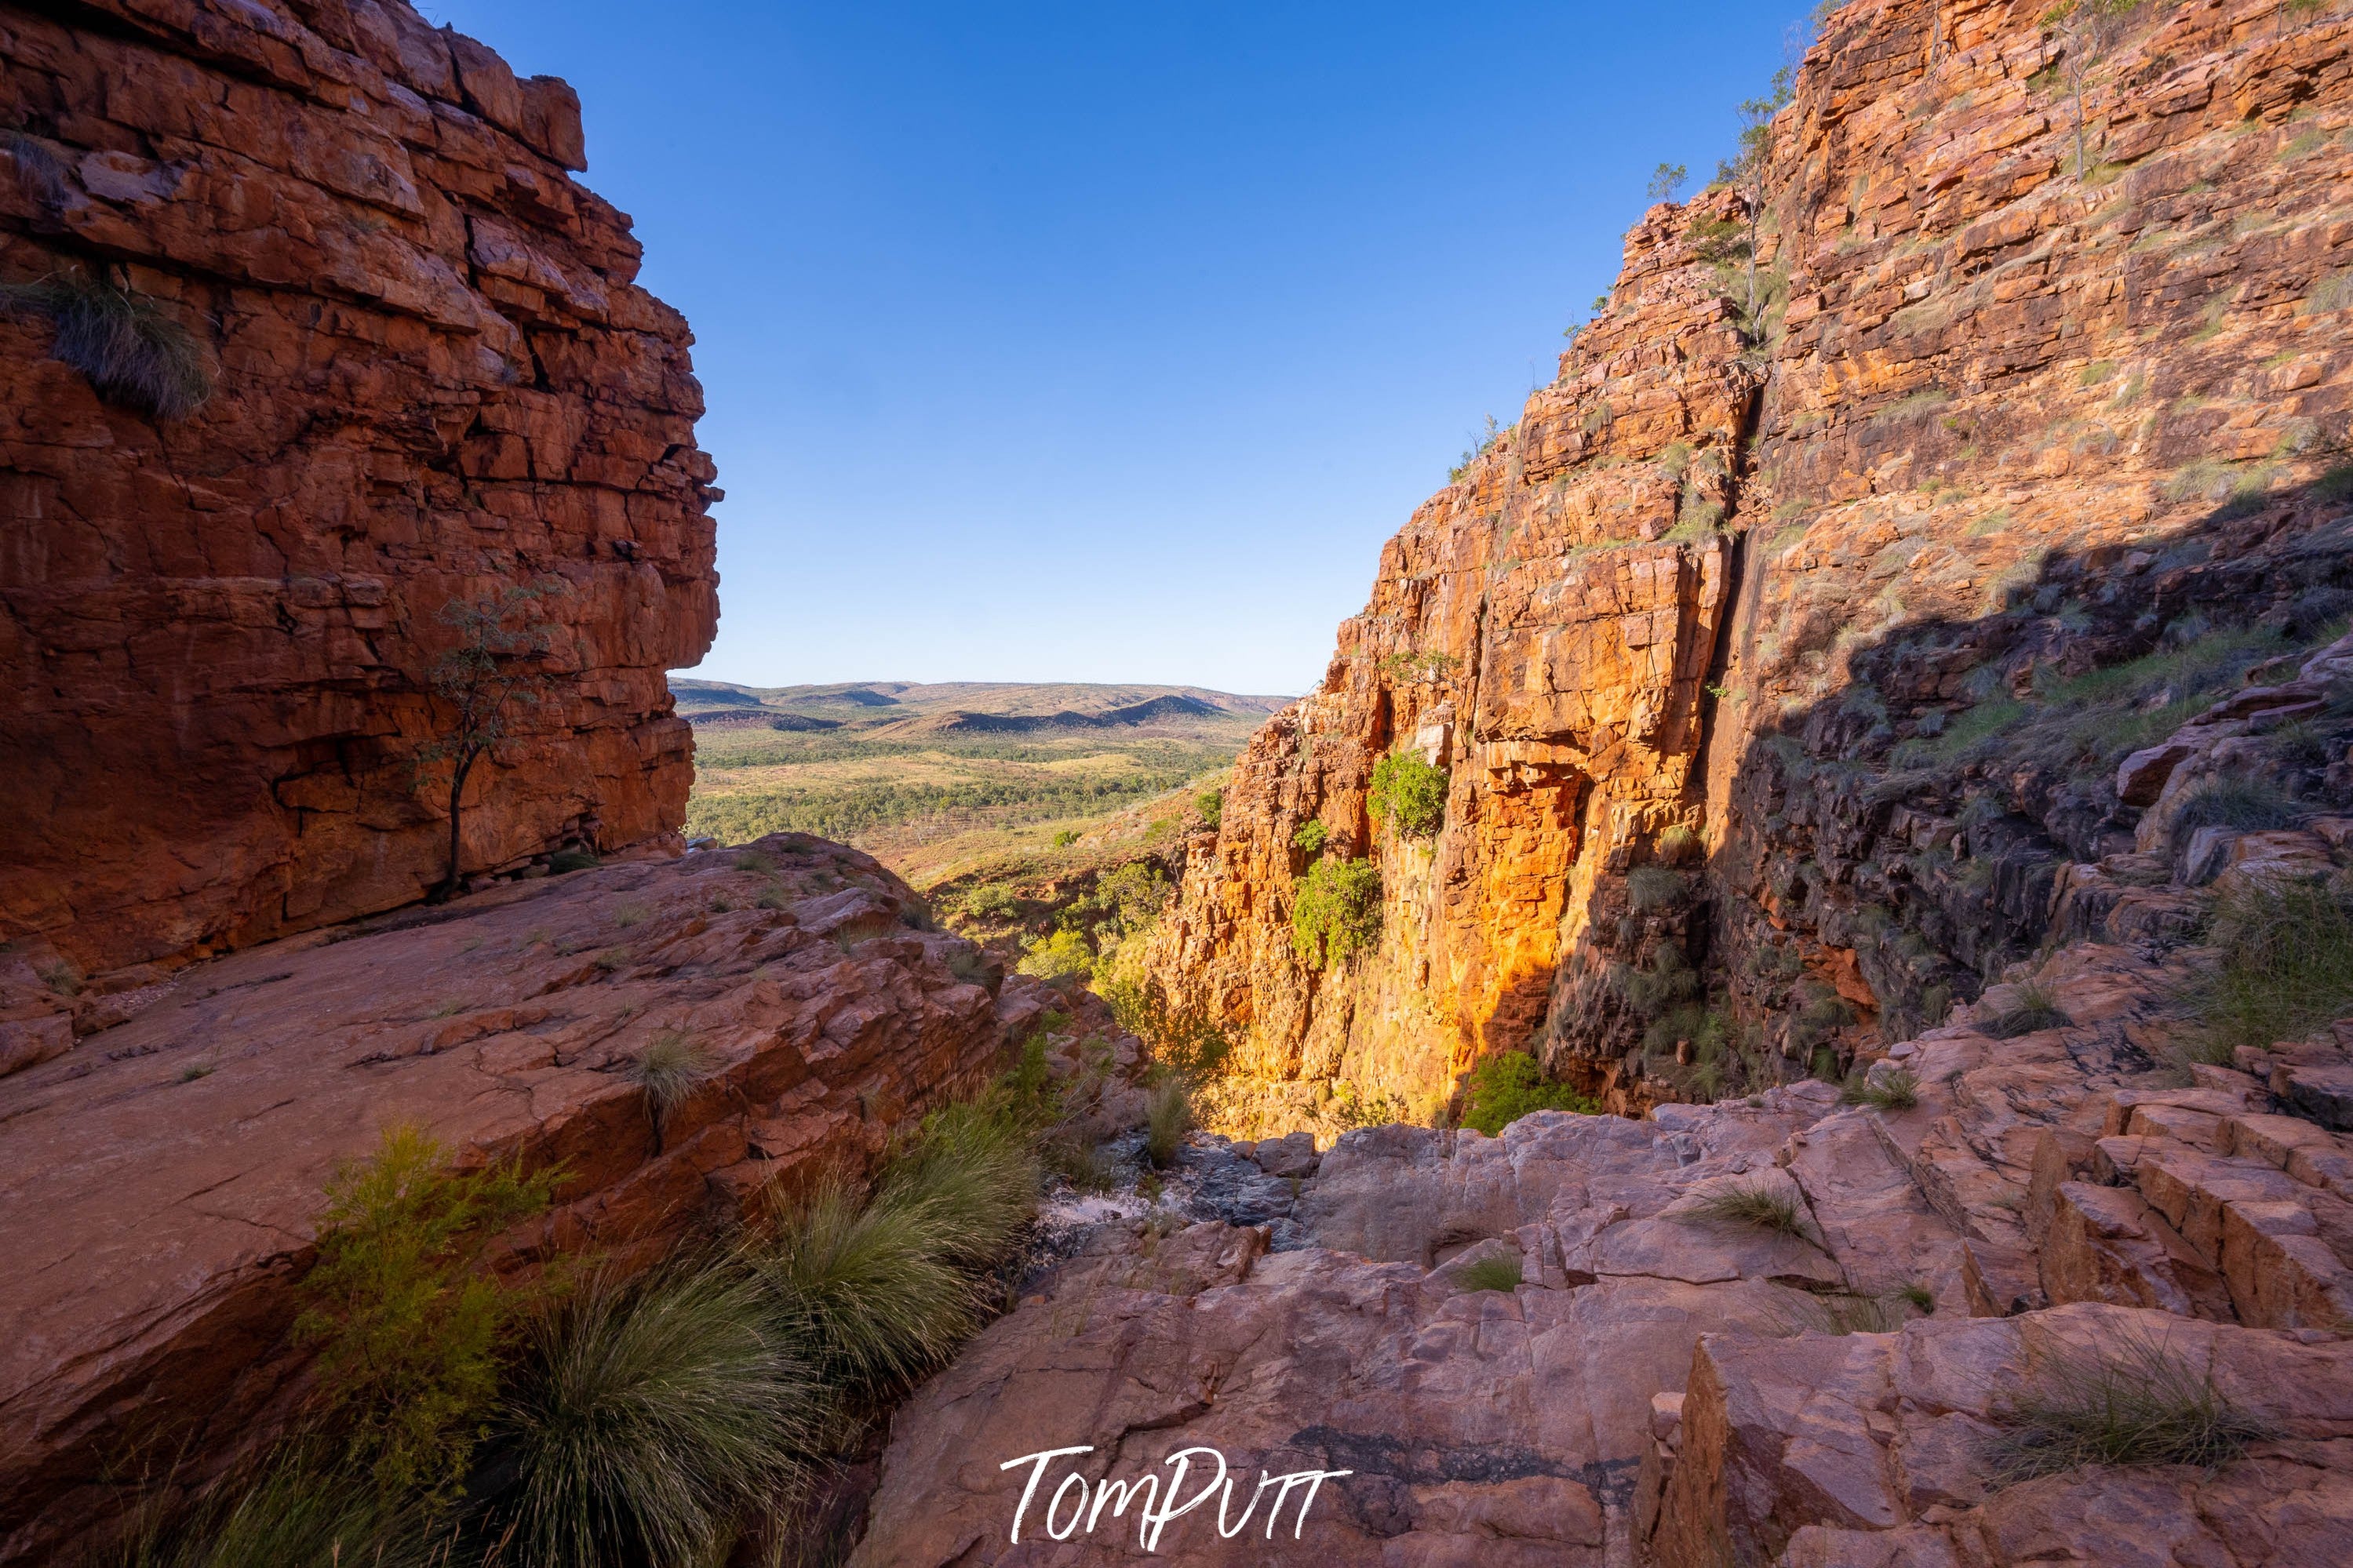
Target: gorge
{"points": [[1875, 736]]}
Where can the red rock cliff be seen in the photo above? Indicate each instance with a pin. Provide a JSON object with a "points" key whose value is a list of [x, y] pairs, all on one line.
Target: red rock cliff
{"points": [[434, 375], [1975, 376]]}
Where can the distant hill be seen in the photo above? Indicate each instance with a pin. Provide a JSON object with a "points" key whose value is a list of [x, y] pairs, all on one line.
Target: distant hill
{"points": [[897, 709]]}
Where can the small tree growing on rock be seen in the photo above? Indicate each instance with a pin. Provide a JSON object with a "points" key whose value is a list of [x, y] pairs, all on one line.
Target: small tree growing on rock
{"points": [[497, 666]]}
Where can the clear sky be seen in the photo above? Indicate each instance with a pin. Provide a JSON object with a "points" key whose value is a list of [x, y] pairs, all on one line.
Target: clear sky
{"points": [[1108, 342]]}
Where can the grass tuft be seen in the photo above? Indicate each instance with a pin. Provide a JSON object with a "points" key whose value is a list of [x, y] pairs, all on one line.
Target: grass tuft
{"points": [[2034, 1009], [133, 354], [654, 1412], [1169, 1118], [1493, 1273], [297, 1511], [2129, 1403], [1897, 1091], [1763, 1207], [2286, 969], [2253, 805], [871, 1289], [670, 1066], [1652, 888]]}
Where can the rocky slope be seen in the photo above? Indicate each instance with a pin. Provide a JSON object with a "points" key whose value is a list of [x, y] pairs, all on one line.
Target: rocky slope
{"points": [[1988, 413], [163, 1190], [1772, 1330], [433, 378]]}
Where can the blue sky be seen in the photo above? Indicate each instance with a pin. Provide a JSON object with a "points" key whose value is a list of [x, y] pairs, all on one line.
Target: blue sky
{"points": [[1109, 341]]}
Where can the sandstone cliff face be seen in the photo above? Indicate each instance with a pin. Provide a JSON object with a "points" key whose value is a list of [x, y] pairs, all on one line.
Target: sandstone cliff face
{"points": [[435, 378], [1983, 406]]}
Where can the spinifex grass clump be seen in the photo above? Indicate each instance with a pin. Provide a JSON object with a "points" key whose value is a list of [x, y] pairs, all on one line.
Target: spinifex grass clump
{"points": [[651, 1412], [301, 1509], [1169, 1118], [2032, 1009], [1896, 1090], [1754, 1203], [668, 1069], [2287, 969], [133, 354], [2131, 1403]]}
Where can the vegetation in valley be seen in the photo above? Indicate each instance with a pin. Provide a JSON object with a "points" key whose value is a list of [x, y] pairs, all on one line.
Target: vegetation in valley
{"points": [[892, 796], [1508, 1086]]}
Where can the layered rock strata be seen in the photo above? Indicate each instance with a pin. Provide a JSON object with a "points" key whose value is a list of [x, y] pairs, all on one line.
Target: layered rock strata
{"points": [[433, 379], [164, 1182], [1989, 409]]}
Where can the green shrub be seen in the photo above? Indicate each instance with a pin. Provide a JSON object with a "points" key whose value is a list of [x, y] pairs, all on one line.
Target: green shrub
{"points": [[1062, 955], [1508, 1086], [1170, 1117], [652, 1413], [1407, 794], [1335, 911], [572, 859], [1212, 805], [1065, 836], [2252, 805], [1652, 888], [1310, 838], [2335, 485], [410, 1329], [2132, 1402], [133, 354], [1495, 1272], [2286, 969]]}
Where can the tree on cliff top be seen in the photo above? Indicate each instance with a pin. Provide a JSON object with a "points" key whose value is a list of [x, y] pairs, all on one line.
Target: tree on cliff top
{"points": [[1745, 173], [497, 666]]}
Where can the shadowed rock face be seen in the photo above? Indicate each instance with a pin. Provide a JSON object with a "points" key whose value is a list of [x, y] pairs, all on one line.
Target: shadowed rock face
{"points": [[435, 378], [1965, 362]]}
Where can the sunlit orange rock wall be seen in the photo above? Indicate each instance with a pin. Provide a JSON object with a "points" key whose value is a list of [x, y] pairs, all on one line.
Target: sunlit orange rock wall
{"points": [[1543, 628], [1964, 359], [435, 378]]}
